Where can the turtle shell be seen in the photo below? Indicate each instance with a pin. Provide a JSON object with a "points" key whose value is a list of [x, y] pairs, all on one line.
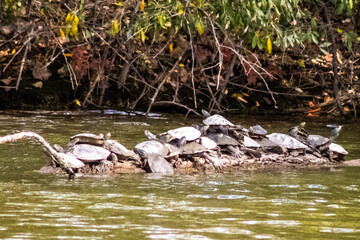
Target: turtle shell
{"points": [[223, 139], [317, 140], [153, 147], [249, 142], [190, 133], [89, 138], [337, 149], [192, 148], [89, 153], [121, 151], [286, 141], [207, 142], [72, 161], [217, 120], [259, 130]]}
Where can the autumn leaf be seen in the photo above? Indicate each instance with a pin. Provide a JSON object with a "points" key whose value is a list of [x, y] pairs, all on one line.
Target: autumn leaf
{"points": [[62, 34], [200, 27], [269, 46], [171, 48], [142, 6], [181, 9]]}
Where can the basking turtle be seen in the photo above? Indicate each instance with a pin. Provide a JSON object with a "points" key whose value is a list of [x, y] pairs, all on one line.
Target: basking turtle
{"points": [[69, 159], [269, 146], [217, 122], [257, 132], [287, 142], [190, 134], [207, 142], [89, 153], [326, 146], [299, 132], [156, 163], [88, 138], [193, 148], [153, 152], [119, 150], [226, 143], [336, 131]]}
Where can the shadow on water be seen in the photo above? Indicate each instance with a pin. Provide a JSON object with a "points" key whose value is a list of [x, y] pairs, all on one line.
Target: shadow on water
{"points": [[297, 204]]}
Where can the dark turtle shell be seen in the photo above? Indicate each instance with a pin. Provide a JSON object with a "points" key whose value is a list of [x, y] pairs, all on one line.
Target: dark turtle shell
{"points": [[223, 139]]}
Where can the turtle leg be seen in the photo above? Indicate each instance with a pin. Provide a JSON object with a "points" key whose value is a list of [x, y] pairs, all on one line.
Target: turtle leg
{"points": [[234, 151], [216, 162]]}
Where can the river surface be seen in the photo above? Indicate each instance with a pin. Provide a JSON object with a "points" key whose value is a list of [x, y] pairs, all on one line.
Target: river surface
{"points": [[276, 204]]}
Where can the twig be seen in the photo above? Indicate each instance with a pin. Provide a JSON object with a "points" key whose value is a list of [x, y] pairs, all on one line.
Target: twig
{"points": [[162, 83], [192, 63]]}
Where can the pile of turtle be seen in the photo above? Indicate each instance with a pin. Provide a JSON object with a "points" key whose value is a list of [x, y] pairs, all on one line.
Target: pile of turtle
{"points": [[217, 145]]}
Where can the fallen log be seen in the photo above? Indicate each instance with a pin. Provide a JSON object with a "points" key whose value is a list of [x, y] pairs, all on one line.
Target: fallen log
{"points": [[59, 158]]}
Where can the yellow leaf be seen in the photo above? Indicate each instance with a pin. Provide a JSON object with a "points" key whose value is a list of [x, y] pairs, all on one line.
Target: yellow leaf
{"points": [[77, 102], [114, 28], [13, 51], [42, 11], [339, 30], [74, 30], [181, 65], [62, 34], [269, 45], [181, 9], [301, 62], [200, 28], [76, 21], [120, 3], [68, 18], [142, 35], [142, 6], [346, 109], [351, 4], [171, 48], [68, 54]]}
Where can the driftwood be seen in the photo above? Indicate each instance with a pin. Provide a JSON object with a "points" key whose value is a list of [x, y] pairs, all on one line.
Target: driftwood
{"points": [[58, 158]]}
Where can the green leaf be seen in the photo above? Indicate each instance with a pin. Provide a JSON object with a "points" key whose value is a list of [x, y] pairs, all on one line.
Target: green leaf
{"points": [[325, 44]]}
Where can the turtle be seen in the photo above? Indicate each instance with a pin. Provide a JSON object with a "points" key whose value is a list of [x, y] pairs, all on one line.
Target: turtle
{"points": [[154, 152], [89, 153], [190, 134], [217, 122], [298, 132], [193, 148], [227, 143], [326, 146], [269, 146], [336, 130], [119, 150], [207, 142], [257, 131], [287, 142], [88, 138], [68, 159]]}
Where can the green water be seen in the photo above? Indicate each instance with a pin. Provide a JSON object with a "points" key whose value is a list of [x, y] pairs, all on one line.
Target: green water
{"points": [[297, 204]]}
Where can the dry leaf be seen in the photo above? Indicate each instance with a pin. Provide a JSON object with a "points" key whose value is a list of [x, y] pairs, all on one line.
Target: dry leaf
{"points": [[38, 84], [41, 73]]}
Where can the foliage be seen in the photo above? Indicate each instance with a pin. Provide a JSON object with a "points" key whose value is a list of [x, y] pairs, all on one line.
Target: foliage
{"points": [[170, 46]]}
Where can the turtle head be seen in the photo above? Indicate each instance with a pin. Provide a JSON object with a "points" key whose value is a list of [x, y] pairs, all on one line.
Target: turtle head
{"points": [[302, 124], [251, 130], [149, 135], [205, 113], [107, 136]]}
